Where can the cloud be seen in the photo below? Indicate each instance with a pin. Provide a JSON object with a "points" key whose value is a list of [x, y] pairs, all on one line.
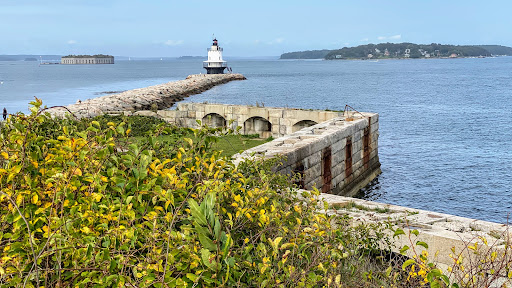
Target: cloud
{"points": [[276, 41], [72, 42], [365, 40], [394, 37], [174, 42]]}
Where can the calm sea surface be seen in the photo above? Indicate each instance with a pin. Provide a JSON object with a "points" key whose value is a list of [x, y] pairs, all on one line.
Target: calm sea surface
{"points": [[445, 125]]}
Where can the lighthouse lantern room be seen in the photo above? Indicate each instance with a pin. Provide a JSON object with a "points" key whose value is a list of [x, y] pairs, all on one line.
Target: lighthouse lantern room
{"points": [[215, 64]]}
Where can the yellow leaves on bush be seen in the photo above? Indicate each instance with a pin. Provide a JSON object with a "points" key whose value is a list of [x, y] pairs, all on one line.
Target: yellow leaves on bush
{"points": [[77, 171], [96, 196], [35, 199], [85, 230]]}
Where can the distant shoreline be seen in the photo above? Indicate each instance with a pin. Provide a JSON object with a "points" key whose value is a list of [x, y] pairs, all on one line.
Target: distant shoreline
{"points": [[402, 51]]}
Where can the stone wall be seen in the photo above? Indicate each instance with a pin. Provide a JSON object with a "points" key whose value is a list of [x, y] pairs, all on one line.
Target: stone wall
{"points": [[339, 156], [265, 121], [442, 232]]}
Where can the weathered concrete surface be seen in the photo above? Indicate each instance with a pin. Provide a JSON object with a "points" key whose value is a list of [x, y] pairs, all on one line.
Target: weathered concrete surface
{"points": [[163, 96], [339, 156], [442, 232]]}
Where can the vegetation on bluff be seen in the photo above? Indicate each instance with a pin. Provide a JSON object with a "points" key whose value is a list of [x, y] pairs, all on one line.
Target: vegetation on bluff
{"points": [[81, 205], [311, 54], [87, 208], [401, 50]]}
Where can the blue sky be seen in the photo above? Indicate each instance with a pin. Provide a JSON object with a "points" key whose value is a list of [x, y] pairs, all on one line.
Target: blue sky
{"points": [[167, 28]]}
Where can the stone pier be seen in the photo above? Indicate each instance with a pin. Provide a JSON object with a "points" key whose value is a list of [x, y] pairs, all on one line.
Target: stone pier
{"points": [[154, 97]]}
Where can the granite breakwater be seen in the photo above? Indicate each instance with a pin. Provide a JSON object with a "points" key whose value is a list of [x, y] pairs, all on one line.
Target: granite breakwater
{"points": [[161, 96]]}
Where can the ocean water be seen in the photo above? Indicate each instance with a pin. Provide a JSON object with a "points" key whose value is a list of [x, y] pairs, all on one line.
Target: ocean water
{"points": [[445, 124]]}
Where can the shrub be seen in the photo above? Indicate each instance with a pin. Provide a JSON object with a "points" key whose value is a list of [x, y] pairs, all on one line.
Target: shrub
{"points": [[88, 208]]}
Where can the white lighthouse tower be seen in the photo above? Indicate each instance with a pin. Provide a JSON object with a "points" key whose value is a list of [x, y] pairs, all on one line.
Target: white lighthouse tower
{"points": [[215, 64]]}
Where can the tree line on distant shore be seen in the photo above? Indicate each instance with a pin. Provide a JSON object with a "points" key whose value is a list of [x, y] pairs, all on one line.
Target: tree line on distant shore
{"points": [[402, 50]]}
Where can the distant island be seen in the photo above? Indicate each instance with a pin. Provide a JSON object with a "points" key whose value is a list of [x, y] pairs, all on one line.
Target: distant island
{"points": [[402, 50], [192, 57], [25, 57]]}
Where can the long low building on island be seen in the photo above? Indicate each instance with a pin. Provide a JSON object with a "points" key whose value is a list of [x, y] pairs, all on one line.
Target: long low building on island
{"points": [[87, 59]]}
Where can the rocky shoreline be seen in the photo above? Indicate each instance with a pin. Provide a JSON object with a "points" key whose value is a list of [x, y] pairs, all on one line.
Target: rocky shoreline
{"points": [[161, 96]]}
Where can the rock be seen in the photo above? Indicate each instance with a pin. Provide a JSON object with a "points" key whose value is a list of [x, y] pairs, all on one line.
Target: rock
{"points": [[163, 95]]}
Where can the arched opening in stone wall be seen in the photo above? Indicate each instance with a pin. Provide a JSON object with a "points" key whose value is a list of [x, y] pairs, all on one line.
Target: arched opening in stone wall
{"points": [[214, 120], [258, 125], [302, 124]]}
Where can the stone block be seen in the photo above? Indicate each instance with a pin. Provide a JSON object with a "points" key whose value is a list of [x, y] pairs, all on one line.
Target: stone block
{"points": [[191, 114], [356, 166], [257, 112], [313, 172], [290, 140], [216, 108], [338, 157], [166, 113], [282, 130], [319, 144], [276, 113], [181, 114], [357, 147], [339, 145], [338, 179], [317, 182], [338, 169], [146, 113], [357, 156], [290, 114], [356, 136], [312, 160], [374, 127], [241, 110], [199, 115]]}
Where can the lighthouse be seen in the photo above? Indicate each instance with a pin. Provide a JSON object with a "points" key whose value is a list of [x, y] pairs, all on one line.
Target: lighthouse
{"points": [[215, 64]]}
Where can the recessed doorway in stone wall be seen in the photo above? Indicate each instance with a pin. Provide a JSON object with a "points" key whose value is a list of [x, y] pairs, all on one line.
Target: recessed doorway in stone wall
{"points": [[214, 120], [258, 125], [302, 124]]}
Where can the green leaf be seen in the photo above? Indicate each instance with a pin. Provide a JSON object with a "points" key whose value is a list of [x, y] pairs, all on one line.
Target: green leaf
{"points": [[120, 130], [205, 256], [128, 199], [423, 244], [227, 244], [216, 228], [415, 232], [398, 232], [111, 278], [408, 263], [192, 277], [207, 242], [113, 265], [196, 212], [404, 249], [135, 173]]}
